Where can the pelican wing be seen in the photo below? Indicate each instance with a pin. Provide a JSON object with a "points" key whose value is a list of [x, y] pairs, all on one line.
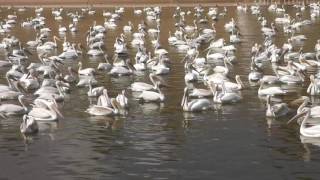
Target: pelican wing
{"points": [[149, 96], [40, 113]]}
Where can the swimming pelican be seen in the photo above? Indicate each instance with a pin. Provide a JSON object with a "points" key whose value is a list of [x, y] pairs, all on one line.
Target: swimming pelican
{"points": [[190, 29], [104, 100], [48, 113], [126, 70], [230, 26], [12, 109], [231, 86], [122, 99], [307, 131], [313, 88], [224, 96], [49, 45], [270, 90], [151, 96], [97, 110], [142, 86], [105, 66], [94, 92], [276, 110], [84, 81], [58, 96], [192, 74], [86, 71], [28, 125], [71, 76], [194, 105], [29, 81]]}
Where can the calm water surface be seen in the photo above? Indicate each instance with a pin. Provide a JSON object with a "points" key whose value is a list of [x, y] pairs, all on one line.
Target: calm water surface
{"points": [[160, 141]]}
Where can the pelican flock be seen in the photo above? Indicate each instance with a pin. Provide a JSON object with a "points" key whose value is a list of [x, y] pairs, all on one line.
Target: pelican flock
{"points": [[44, 70]]}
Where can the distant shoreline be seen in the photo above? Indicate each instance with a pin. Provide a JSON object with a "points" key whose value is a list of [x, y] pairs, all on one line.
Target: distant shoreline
{"points": [[114, 3]]}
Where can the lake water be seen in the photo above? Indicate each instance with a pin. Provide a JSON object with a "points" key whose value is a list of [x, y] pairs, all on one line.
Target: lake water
{"points": [[160, 141]]}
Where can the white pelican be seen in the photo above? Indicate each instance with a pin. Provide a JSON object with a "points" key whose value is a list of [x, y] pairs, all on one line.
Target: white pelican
{"points": [[121, 71], [95, 52], [151, 96], [10, 94], [49, 45], [86, 71], [58, 96], [235, 37], [84, 81], [292, 79], [209, 30], [140, 62], [276, 110], [315, 110], [191, 74], [224, 96], [106, 66], [230, 26], [48, 113], [122, 99], [231, 86], [223, 69], [313, 88], [200, 93], [286, 19], [307, 131], [12, 109], [97, 110], [272, 7], [142, 86], [270, 90], [190, 29], [104, 100], [194, 105], [71, 76], [94, 92], [317, 46], [70, 52], [62, 29], [29, 81], [28, 125]]}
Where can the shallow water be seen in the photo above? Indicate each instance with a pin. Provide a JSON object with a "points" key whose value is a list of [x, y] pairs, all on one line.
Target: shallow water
{"points": [[160, 141]]}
